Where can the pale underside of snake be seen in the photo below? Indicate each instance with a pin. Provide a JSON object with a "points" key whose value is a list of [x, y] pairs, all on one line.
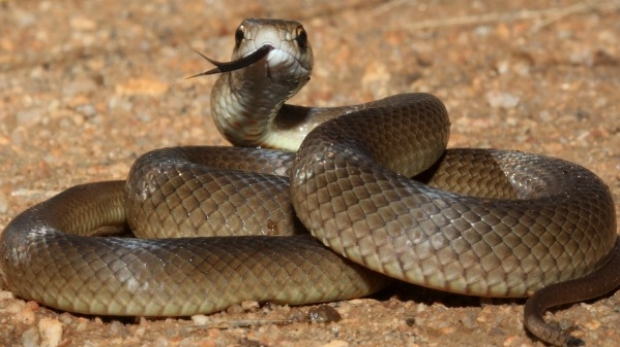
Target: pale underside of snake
{"points": [[476, 222]]}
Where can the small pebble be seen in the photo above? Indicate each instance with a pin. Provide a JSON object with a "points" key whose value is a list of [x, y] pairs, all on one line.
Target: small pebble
{"points": [[66, 318], [27, 316], [117, 328], [6, 295], [250, 305], [50, 330], [235, 309], [82, 325], [323, 314], [469, 321], [200, 319], [30, 337], [296, 315]]}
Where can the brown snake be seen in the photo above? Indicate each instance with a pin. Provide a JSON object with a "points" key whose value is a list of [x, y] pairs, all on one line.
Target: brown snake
{"points": [[477, 222]]}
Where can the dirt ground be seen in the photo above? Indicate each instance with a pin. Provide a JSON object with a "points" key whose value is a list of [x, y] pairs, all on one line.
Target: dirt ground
{"points": [[87, 86]]}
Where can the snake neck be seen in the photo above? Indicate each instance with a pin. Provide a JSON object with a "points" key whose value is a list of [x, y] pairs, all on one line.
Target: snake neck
{"points": [[247, 105]]}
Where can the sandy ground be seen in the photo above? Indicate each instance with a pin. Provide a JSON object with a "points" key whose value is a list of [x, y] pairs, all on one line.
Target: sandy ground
{"points": [[87, 86]]}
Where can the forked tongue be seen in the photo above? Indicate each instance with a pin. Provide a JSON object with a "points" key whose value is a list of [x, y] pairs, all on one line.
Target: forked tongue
{"points": [[236, 64]]}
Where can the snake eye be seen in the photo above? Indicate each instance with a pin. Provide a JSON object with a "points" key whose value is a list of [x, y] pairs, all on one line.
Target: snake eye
{"points": [[302, 37], [239, 35]]}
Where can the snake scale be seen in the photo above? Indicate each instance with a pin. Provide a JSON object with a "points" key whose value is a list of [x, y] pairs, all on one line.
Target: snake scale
{"points": [[478, 222]]}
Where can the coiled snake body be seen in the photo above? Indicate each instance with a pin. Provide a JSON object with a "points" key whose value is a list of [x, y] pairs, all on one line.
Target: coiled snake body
{"points": [[484, 222]]}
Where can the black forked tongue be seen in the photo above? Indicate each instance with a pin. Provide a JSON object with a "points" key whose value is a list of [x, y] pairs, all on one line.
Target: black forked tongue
{"points": [[235, 65]]}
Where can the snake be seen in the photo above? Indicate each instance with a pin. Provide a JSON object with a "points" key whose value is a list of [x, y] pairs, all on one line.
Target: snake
{"points": [[316, 205]]}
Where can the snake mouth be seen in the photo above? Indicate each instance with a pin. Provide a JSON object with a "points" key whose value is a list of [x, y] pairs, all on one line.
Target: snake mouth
{"points": [[221, 67]]}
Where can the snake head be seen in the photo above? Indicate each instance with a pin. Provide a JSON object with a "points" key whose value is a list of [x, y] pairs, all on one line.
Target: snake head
{"points": [[255, 39]]}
